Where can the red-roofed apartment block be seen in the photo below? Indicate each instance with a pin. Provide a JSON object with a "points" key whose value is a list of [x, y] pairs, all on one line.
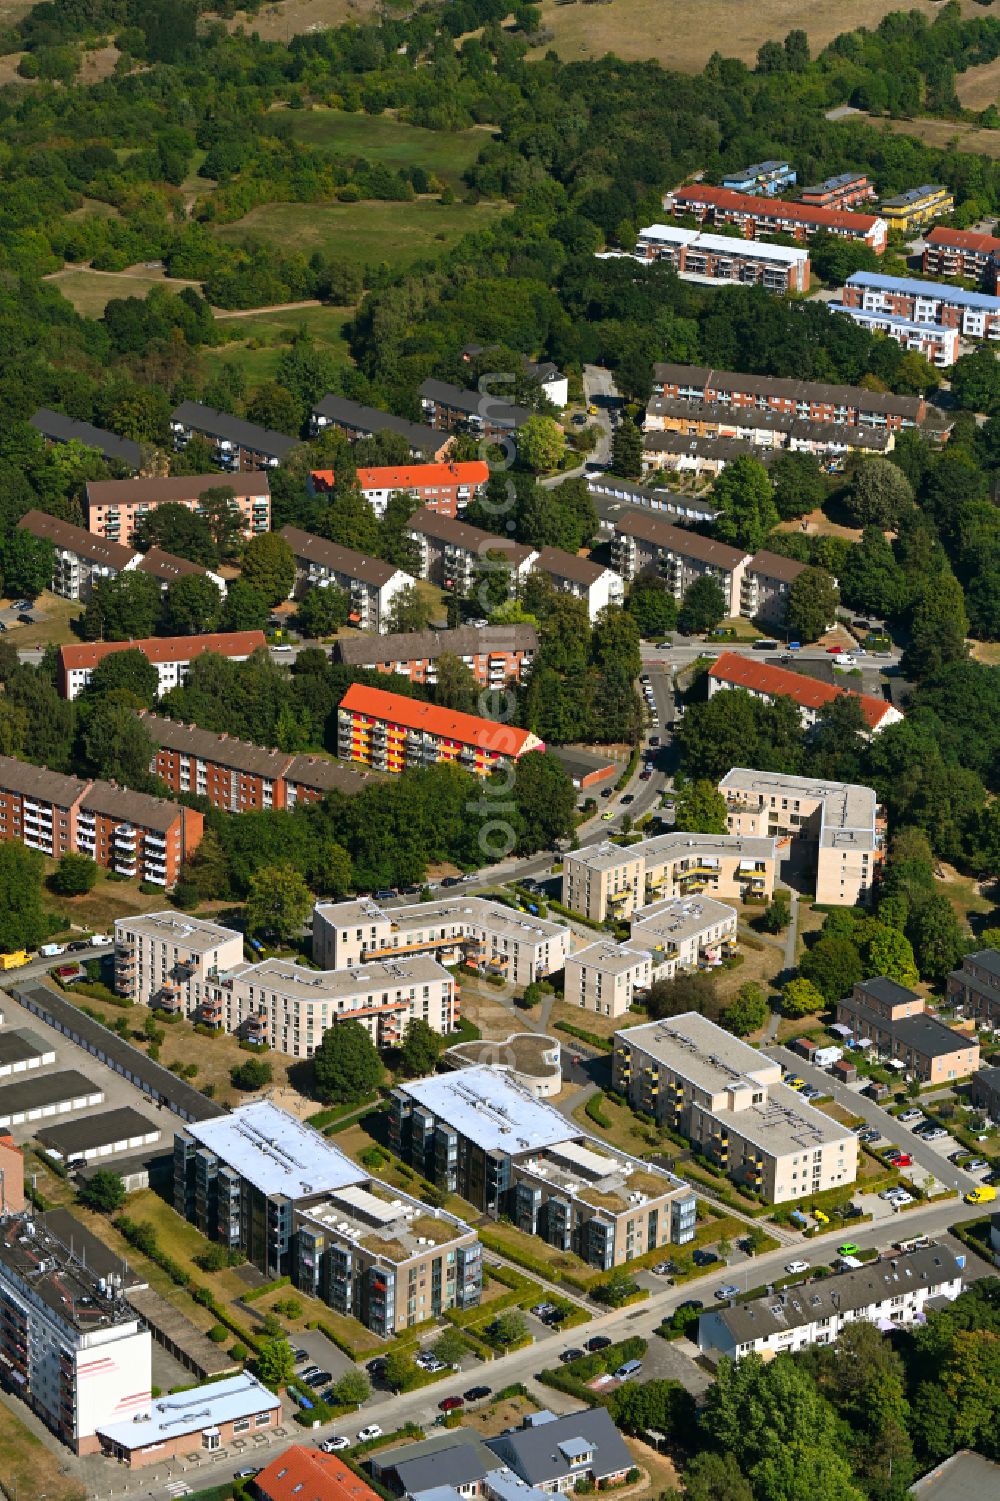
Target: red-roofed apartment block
{"points": [[444, 488], [170, 655], [963, 252], [734, 670], [762, 216], [393, 733], [302, 1474]]}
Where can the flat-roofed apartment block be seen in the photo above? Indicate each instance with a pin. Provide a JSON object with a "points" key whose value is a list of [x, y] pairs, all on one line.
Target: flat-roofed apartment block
{"points": [[56, 427], [290, 1007], [39, 807], [607, 879], [938, 344], [79, 559], [606, 977], [761, 177], [70, 1345], [485, 935], [445, 488], [897, 1022], [170, 655], [239, 445], [696, 256], [370, 584], [450, 552], [165, 960], [678, 555], [114, 506], [841, 819], [478, 1134], [974, 990], [457, 409], [359, 421], [260, 1180], [728, 1099], [963, 252], [765, 680], [393, 733], [137, 835], [757, 216], [917, 206], [596, 585], [846, 405], [494, 654], [767, 579]]}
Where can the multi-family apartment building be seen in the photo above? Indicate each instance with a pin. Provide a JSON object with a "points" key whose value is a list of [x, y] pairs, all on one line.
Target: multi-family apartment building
{"points": [[890, 1292], [965, 253], [239, 445], [114, 506], [841, 821], [165, 960], [668, 452], [446, 488], [478, 1134], [917, 207], [844, 191], [261, 1181], [757, 216], [680, 557], [696, 256], [170, 655], [852, 406], [79, 559], [454, 409], [371, 585], [614, 880], [358, 421], [39, 807], [70, 1345], [238, 776], [728, 1099], [896, 1022], [481, 934], [727, 431], [56, 427], [167, 569], [451, 552], [974, 990], [765, 681], [665, 937], [494, 654], [938, 345], [596, 585], [927, 304], [767, 580], [766, 178], [393, 733]]}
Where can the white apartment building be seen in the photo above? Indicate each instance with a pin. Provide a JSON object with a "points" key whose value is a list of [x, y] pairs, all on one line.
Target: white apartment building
{"points": [[842, 820], [370, 584], [605, 880], [456, 930], [597, 586], [728, 1099], [165, 960], [890, 1292]]}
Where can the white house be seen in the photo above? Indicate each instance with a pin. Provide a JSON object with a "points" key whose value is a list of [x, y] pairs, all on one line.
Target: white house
{"points": [[597, 585]]}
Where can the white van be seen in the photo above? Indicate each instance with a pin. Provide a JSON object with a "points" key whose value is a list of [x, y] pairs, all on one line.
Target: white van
{"points": [[628, 1371]]}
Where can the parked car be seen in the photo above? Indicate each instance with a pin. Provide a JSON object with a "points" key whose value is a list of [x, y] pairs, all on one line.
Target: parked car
{"points": [[703, 1258], [976, 1165], [629, 797], [450, 1404], [792, 1267], [984, 1194], [385, 895], [728, 1290], [598, 1342], [335, 1444], [319, 1378], [663, 1268], [571, 1354], [871, 1136], [936, 1133], [477, 1393], [607, 817], [541, 1309], [907, 1117], [810, 1092], [310, 1370], [794, 1082], [848, 1249], [367, 1434], [300, 1355], [901, 1159], [248, 1473]]}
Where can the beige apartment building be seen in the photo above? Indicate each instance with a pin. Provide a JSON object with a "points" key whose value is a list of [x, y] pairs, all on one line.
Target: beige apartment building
{"points": [[606, 977], [614, 880], [896, 1022], [165, 960], [728, 1099], [840, 821], [485, 935]]}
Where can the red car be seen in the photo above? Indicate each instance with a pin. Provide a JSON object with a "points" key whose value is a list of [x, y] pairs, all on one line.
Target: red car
{"points": [[449, 1404], [900, 1159], [835, 651]]}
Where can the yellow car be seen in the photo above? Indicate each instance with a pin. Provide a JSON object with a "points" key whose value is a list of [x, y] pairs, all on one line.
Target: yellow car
{"points": [[820, 1217], [984, 1194], [795, 1083], [592, 410]]}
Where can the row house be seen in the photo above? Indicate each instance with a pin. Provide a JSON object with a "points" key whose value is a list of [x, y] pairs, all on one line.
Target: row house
{"points": [[170, 655], [696, 256], [494, 654], [393, 733], [896, 1022], [917, 207], [444, 488], [838, 825], [762, 427], [613, 880], [597, 586], [612, 495], [237, 776], [974, 990], [56, 427], [454, 409], [670, 451], [844, 191], [963, 252], [761, 177], [370, 584], [772, 216], [80, 559], [817, 402], [239, 445], [451, 552], [355, 420], [938, 345], [765, 681], [114, 506], [678, 555], [976, 315]]}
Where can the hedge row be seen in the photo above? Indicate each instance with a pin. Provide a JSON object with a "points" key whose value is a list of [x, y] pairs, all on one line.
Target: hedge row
{"points": [[603, 1044], [573, 1378], [253, 1293]]}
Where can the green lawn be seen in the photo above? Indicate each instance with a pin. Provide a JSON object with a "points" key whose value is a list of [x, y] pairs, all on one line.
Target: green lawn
{"points": [[261, 339], [381, 138], [366, 233]]}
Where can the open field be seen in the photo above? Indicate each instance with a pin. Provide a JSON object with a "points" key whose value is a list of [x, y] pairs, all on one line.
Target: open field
{"points": [[978, 88], [640, 29], [365, 233], [52, 625], [986, 651], [109, 900], [382, 138], [91, 291], [264, 338], [943, 133]]}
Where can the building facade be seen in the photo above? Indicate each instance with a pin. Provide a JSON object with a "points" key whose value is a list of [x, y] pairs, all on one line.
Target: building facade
{"points": [[170, 655], [239, 445], [767, 580], [454, 409], [451, 552], [445, 488], [114, 506], [927, 304], [679, 556], [696, 256], [605, 880], [845, 191], [765, 681], [165, 960], [79, 559], [852, 406], [938, 345], [598, 587], [758, 216], [767, 178], [371, 585], [393, 733], [358, 421], [975, 988], [965, 253], [896, 1021], [204, 1420], [494, 654], [916, 207], [726, 431]]}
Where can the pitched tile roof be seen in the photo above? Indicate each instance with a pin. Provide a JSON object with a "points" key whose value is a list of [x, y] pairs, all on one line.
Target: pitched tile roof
{"points": [[566, 565], [164, 648], [343, 560], [739, 671], [679, 540], [474, 539], [74, 539], [778, 208], [411, 476], [158, 489], [774, 565], [414, 714], [310, 1475]]}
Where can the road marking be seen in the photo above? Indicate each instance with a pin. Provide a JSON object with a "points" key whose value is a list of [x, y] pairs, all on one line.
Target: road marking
{"points": [[177, 1488]]}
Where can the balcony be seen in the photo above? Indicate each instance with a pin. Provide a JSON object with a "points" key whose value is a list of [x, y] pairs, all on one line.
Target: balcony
{"points": [[125, 835]]}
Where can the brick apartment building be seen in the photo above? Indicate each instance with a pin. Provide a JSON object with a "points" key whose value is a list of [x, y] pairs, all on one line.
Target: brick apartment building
{"points": [[494, 654], [696, 256], [845, 405], [965, 253], [766, 681], [170, 655], [454, 409], [762, 428], [757, 216], [444, 488], [239, 445], [370, 584], [897, 1022], [358, 421], [450, 551], [56, 427], [975, 988], [114, 506], [393, 733], [678, 555], [975, 315], [845, 191]]}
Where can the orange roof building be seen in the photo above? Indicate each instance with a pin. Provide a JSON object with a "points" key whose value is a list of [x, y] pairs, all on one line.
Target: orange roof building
{"points": [[170, 655], [302, 1474], [394, 733], [445, 488], [735, 670], [762, 216]]}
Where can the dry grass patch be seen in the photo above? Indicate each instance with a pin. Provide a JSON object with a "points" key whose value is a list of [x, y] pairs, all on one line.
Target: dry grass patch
{"points": [[29, 1467], [499, 1416], [978, 88], [943, 133], [818, 524], [279, 23], [659, 1475], [90, 291], [54, 623]]}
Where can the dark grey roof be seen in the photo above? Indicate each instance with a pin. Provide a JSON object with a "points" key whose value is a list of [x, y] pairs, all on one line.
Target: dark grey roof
{"points": [[132, 807], [206, 745], [20, 1045], [610, 493], [922, 1033], [455, 1458], [85, 1245], [534, 1453], [70, 538], [988, 1077], [482, 404], [474, 539], [249, 435], [890, 992], [370, 420], [579, 762], [566, 565], [427, 646], [62, 429], [774, 565], [795, 390], [726, 449], [43, 1088], [343, 560], [101, 1130], [964, 1476], [988, 959]]}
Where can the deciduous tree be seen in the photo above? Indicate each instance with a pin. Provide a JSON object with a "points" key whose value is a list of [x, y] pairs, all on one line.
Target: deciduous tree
{"points": [[346, 1066]]}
